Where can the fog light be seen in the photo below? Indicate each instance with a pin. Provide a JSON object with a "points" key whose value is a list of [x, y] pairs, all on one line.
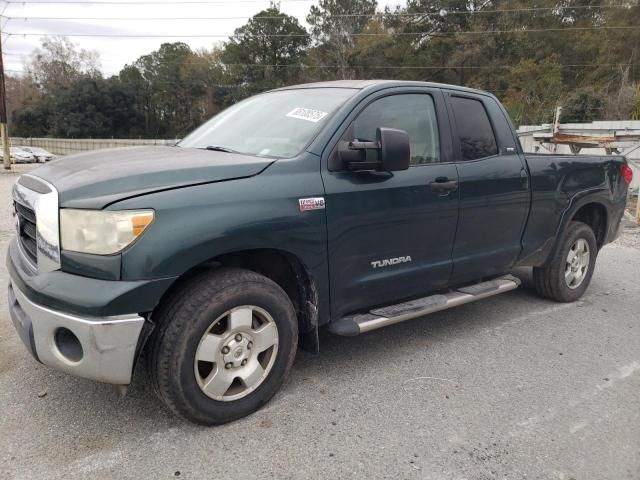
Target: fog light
{"points": [[68, 344]]}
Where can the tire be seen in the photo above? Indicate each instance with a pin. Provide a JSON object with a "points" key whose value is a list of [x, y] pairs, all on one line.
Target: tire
{"points": [[558, 280], [205, 317]]}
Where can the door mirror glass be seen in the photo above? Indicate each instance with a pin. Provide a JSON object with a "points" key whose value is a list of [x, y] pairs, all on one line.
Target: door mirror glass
{"points": [[395, 149]]}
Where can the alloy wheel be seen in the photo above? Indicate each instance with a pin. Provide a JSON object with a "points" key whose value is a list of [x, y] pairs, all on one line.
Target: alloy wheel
{"points": [[577, 263], [236, 353]]}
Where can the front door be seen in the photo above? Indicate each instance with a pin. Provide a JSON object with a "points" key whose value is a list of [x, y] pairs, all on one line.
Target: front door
{"points": [[391, 234]]}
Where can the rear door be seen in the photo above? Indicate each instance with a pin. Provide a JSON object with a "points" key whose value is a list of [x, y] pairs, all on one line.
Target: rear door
{"points": [[391, 234], [494, 188]]}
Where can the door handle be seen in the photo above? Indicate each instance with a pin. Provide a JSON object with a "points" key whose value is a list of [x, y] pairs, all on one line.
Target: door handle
{"points": [[443, 184]]}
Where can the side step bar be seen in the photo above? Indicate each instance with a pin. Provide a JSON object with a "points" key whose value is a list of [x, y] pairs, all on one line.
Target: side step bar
{"points": [[381, 317]]}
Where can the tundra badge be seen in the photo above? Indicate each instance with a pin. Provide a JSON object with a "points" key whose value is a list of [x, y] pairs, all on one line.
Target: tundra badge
{"points": [[390, 261]]}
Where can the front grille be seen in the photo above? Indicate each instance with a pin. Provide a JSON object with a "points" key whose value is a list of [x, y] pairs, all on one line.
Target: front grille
{"points": [[27, 231]]}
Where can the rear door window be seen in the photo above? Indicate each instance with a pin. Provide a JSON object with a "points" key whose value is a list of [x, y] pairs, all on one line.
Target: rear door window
{"points": [[474, 130]]}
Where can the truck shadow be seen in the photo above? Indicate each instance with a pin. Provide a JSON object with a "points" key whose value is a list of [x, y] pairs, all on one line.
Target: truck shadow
{"points": [[339, 356], [444, 325]]}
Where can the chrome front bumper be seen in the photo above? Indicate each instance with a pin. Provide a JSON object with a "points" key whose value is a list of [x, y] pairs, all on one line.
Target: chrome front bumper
{"points": [[97, 348]]}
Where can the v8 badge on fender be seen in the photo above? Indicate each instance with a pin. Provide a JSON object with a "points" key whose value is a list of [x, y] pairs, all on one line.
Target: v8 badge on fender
{"points": [[314, 203]]}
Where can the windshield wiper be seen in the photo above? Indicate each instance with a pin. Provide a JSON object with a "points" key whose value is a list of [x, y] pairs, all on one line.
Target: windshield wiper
{"points": [[216, 148]]}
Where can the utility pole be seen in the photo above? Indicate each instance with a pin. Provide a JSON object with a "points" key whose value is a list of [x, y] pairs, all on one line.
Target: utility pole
{"points": [[6, 155]]}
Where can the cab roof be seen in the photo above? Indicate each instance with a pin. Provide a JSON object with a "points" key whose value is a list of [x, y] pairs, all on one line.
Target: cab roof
{"points": [[362, 84]]}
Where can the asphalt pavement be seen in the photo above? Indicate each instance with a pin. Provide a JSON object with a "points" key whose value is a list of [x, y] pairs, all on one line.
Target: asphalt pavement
{"points": [[510, 387]]}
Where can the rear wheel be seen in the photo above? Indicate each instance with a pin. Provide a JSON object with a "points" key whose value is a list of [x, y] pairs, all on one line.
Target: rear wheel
{"points": [[568, 274], [224, 345]]}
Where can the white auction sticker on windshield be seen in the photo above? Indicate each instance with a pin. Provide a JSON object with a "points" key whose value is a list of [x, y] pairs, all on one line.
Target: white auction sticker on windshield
{"points": [[308, 114]]}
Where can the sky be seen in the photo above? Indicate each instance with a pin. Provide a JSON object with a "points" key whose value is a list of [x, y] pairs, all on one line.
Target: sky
{"points": [[26, 22]]}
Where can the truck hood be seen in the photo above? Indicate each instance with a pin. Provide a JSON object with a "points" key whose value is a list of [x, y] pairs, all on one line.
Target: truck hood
{"points": [[96, 179]]}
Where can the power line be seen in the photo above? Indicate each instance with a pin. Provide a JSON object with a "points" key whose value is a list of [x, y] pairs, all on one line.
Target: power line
{"points": [[216, 2], [175, 84], [398, 67], [385, 34], [168, 85], [382, 67], [204, 61], [443, 13], [154, 2]]}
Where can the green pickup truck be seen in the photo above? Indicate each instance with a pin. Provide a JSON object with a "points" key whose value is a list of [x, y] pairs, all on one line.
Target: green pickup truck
{"points": [[346, 205]]}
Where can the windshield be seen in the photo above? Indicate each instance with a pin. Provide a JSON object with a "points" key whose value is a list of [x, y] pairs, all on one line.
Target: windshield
{"points": [[275, 124]]}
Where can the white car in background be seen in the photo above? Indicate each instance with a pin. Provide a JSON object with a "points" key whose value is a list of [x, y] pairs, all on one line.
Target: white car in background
{"points": [[41, 155], [20, 155]]}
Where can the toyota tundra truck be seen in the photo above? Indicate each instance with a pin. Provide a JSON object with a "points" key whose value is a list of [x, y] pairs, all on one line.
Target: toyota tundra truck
{"points": [[348, 205]]}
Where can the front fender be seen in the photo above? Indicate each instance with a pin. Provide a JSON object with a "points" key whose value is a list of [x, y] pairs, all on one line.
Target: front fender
{"points": [[198, 223]]}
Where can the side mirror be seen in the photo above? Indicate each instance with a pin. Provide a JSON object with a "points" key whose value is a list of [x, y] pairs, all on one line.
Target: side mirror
{"points": [[392, 152]]}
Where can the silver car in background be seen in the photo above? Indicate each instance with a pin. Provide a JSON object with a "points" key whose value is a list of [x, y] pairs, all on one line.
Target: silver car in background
{"points": [[40, 154], [20, 155]]}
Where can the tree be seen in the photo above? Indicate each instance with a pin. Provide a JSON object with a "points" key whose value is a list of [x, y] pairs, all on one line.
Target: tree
{"points": [[635, 108], [51, 71], [371, 54], [583, 105], [20, 92], [333, 26], [30, 121], [534, 56], [170, 89], [267, 52], [58, 62], [94, 108], [535, 89]]}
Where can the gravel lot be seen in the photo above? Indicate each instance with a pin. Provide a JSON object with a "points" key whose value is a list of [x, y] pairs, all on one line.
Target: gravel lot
{"points": [[511, 387]]}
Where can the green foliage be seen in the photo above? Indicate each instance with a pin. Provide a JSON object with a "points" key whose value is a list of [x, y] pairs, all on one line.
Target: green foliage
{"points": [[583, 105], [87, 108], [535, 89], [31, 122], [333, 24], [170, 89], [94, 108], [635, 110], [265, 53], [58, 62], [533, 55]]}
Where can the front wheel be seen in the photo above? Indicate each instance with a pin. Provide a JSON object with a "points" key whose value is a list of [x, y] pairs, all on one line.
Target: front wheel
{"points": [[224, 344], [568, 274]]}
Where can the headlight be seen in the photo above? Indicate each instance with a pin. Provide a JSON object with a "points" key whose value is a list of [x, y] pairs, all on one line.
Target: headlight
{"points": [[101, 232]]}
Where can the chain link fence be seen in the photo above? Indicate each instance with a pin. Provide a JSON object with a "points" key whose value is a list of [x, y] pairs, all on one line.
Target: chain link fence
{"points": [[65, 146]]}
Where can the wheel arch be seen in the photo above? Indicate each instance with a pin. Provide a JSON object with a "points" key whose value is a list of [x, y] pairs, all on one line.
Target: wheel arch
{"points": [[285, 269], [596, 216], [590, 208]]}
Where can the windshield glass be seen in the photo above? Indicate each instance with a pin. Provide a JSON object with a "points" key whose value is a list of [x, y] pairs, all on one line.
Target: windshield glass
{"points": [[276, 124]]}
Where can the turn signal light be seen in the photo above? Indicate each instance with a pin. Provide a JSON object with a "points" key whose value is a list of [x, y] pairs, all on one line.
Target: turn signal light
{"points": [[140, 222], [627, 173]]}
